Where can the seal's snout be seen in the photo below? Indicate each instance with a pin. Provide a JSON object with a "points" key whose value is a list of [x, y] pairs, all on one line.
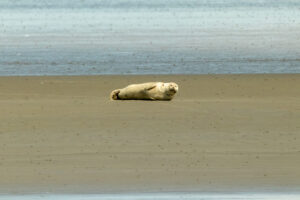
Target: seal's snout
{"points": [[173, 90]]}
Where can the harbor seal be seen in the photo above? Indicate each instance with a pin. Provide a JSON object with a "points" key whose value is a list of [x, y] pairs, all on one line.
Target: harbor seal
{"points": [[146, 91]]}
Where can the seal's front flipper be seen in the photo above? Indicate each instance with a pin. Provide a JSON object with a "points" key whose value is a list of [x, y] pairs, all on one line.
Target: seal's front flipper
{"points": [[150, 87]]}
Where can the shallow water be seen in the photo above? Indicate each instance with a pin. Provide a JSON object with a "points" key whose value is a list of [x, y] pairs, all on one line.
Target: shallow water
{"points": [[149, 37], [163, 196]]}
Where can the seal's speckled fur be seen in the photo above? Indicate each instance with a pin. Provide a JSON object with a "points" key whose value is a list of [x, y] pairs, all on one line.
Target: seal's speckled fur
{"points": [[146, 91]]}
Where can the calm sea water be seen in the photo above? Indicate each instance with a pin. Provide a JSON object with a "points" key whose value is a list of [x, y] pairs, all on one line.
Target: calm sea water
{"points": [[163, 196], [86, 37]]}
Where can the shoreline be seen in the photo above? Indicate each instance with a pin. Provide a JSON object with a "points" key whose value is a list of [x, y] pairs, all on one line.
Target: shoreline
{"points": [[220, 133], [157, 196], [124, 75]]}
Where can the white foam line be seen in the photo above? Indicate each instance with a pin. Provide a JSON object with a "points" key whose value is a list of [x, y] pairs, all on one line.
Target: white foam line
{"points": [[155, 196]]}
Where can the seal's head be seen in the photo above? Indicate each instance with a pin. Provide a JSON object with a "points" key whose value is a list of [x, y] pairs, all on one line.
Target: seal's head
{"points": [[171, 88]]}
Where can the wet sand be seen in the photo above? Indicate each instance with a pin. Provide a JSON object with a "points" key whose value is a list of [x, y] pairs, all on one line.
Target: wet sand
{"points": [[220, 133]]}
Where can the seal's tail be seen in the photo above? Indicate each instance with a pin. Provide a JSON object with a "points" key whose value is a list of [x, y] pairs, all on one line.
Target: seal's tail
{"points": [[114, 95]]}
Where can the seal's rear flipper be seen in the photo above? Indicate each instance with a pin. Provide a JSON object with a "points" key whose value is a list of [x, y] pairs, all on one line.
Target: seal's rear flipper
{"points": [[114, 95]]}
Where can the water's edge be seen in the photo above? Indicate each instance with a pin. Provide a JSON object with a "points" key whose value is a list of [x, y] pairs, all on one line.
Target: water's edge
{"points": [[158, 196]]}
